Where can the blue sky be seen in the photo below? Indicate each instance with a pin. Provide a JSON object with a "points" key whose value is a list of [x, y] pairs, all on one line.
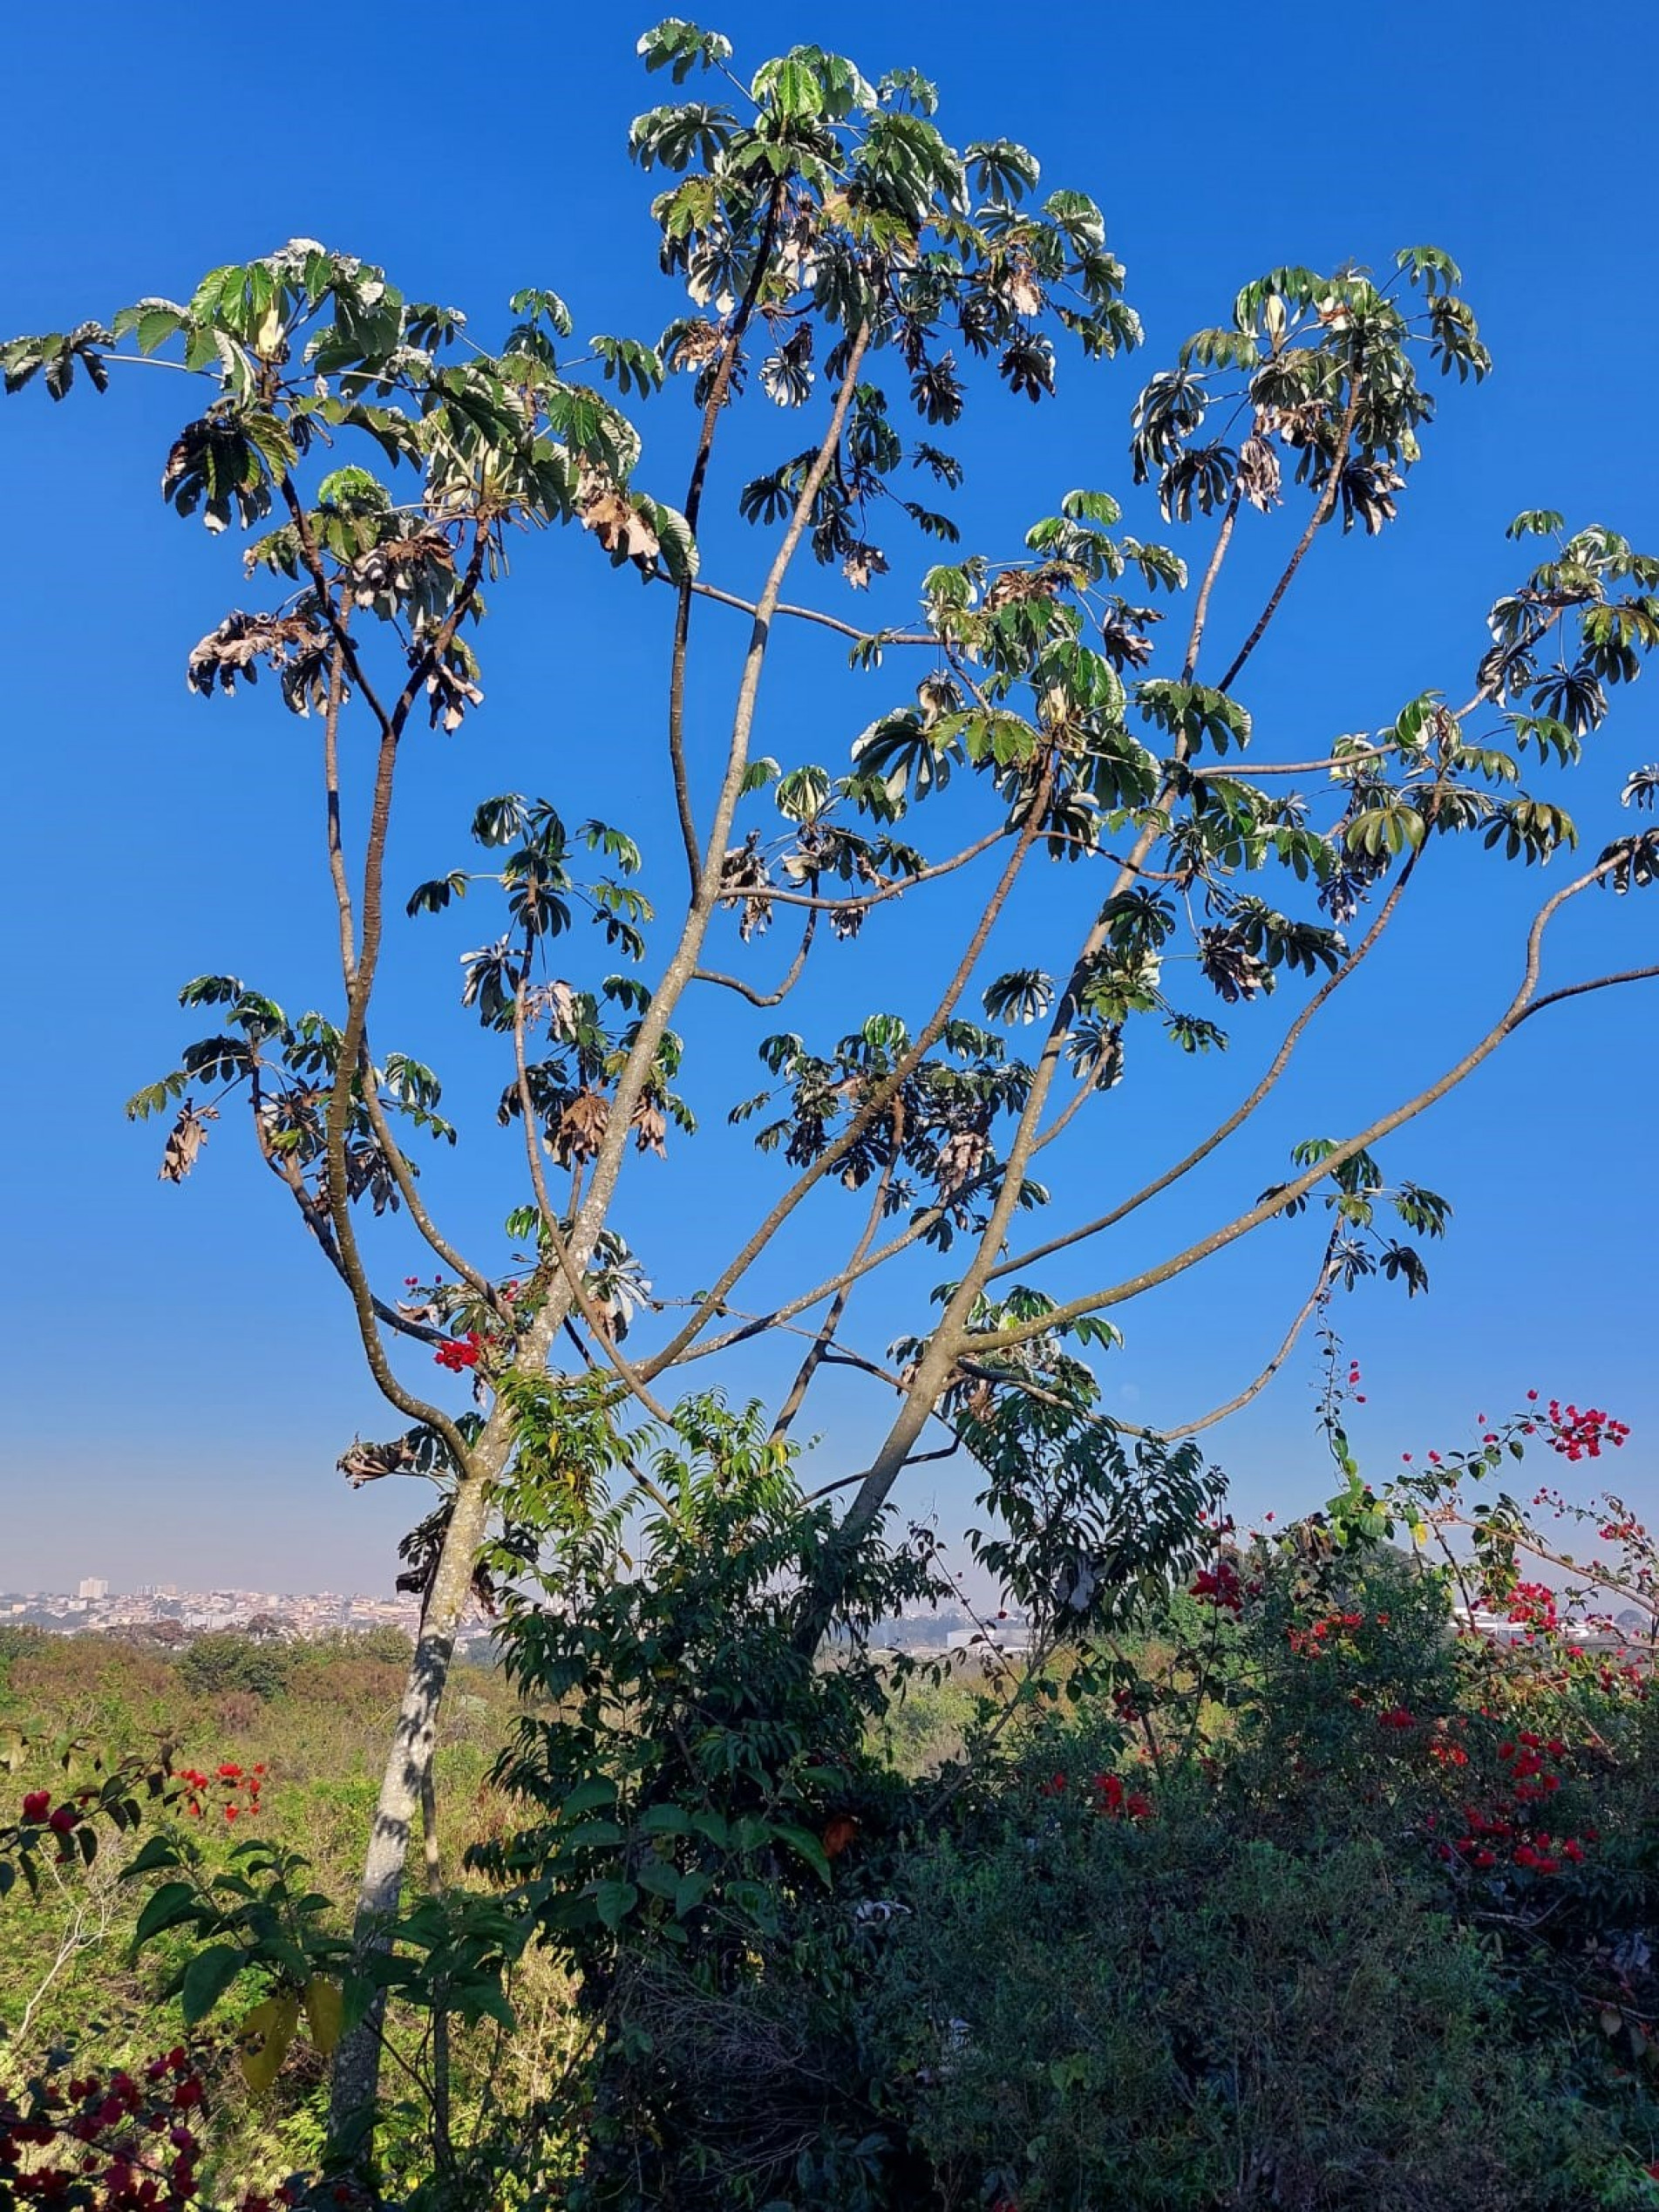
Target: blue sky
{"points": [[182, 1375]]}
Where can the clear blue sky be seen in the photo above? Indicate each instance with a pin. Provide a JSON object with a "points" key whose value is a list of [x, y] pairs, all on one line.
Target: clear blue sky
{"points": [[182, 1376]]}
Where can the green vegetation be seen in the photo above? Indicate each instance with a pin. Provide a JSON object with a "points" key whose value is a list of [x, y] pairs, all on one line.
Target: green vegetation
{"points": [[1271, 1888]]}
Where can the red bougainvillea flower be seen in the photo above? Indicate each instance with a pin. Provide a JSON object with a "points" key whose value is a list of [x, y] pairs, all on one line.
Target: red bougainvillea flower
{"points": [[65, 1820], [462, 1351], [1219, 1586], [37, 1805], [229, 1774]]}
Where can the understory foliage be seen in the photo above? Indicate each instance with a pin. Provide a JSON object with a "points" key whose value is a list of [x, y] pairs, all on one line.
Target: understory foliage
{"points": [[703, 1811], [1273, 1882]]}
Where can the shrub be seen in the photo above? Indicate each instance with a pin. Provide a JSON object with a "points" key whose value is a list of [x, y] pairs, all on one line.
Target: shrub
{"points": [[1173, 2017], [229, 1661]]}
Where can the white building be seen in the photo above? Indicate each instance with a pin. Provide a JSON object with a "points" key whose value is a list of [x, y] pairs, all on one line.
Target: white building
{"points": [[93, 1586]]}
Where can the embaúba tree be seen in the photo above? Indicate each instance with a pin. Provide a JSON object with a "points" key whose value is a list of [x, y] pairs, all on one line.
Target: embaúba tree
{"points": [[842, 267]]}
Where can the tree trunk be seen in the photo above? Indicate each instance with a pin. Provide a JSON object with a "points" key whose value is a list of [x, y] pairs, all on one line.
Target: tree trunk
{"points": [[356, 2063]]}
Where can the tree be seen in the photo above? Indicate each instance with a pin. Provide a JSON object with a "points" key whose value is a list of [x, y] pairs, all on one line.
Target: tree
{"points": [[844, 265]]}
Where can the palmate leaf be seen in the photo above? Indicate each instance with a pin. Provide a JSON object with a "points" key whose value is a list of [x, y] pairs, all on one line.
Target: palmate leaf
{"points": [[680, 47], [1024, 994], [1001, 170], [675, 137]]}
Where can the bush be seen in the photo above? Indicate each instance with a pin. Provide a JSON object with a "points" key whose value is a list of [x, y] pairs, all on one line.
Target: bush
{"points": [[1087, 2012], [229, 1661]]}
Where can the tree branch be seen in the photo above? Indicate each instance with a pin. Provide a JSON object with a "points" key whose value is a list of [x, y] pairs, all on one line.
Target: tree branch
{"points": [[1241, 1113], [875, 1104], [1320, 1291], [719, 387], [747, 990], [1320, 516], [1267, 1210], [814, 615]]}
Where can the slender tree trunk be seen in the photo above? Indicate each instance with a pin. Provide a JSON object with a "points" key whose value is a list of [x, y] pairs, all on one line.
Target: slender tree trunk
{"points": [[356, 2064]]}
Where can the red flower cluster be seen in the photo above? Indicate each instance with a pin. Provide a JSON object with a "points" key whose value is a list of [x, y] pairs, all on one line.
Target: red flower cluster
{"points": [[39, 1811], [1113, 1796], [1119, 1802], [461, 1353], [238, 1787], [1511, 1831], [1219, 1586], [1578, 1436], [1309, 1643], [1534, 1604], [111, 2141]]}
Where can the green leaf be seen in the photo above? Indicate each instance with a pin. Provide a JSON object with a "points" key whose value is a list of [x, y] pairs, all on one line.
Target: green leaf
{"points": [[803, 793], [160, 1851], [680, 47], [805, 1845], [209, 1974], [172, 1902], [614, 1901], [588, 1797], [664, 1819], [790, 88]]}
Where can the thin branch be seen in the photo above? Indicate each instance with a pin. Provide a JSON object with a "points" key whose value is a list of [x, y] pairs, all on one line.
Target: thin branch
{"points": [[819, 1349], [861, 901], [875, 1104], [1321, 515], [747, 990], [339, 625], [361, 978], [589, 1312], [1240, 1114], [814, 615], [1268, 1209], [404, 1176], [719, 389], [1594, 983], [916, 1459], [315, 1217], [1320, 1291], [1357, 759], [1200, 613]]}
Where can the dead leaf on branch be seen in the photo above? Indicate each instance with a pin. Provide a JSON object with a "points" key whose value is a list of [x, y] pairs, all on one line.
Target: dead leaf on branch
{"points": [[368, 1462], [862, 563], [554, 1002], [1021, 289], [650, 1127], [290, 643], [695, 343], [614, 519], [395, 568], [581, 1129], [1015, 585], [1258, 473], [743, 875], [185, 1140], [450, 691], [961, 1158]]}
